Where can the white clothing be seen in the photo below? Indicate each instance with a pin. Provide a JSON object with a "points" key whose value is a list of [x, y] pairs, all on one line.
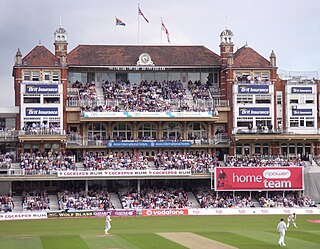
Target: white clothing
{"points": [[292, 219], [281, 228], [108, 224]]}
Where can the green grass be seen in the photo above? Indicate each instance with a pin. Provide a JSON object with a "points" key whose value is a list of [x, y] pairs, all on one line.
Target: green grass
{"points": [[243, 232]]}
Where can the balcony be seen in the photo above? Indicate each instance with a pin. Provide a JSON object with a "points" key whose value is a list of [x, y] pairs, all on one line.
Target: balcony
{"points": [[79, 141], [9, 135], [42, 134]]}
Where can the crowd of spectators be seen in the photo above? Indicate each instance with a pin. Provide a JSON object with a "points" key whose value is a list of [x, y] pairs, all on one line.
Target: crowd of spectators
{"points": [[154, 198], [95, 199], [46, 162], [5, 160], [210, 199], [6, 203], [198, 162], [288, 201], [150, 96], [261, 161], [37, 128], [35, 201], [87, 91], [198, 90], [115, 161]]}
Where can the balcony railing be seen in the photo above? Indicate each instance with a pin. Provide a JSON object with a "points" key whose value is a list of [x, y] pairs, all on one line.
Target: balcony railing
{"points": [[9, 135], [42, 131], [272, 131], [84, 141]]}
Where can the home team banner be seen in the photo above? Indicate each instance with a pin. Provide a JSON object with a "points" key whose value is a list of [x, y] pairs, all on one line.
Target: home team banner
{"points": [[262, 178]]}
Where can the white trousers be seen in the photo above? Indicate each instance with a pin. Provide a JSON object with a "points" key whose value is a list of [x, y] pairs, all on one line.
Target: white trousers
{"points": [[281, 239], [108, 226]]}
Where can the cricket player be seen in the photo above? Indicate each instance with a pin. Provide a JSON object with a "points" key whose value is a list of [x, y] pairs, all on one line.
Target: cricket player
{"points": [[281, 228], [292, 219], [108, 224]]}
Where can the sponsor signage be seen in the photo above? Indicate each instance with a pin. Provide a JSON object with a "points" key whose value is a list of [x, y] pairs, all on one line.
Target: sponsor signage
{"points": [[254, 111], [262, 178], [301, 90], [148, 144], [24, 216], [253, 89], [302, 112], [164, 212], [90, 213], [42, 111], [42, 88], [252, 211], [117, 173], [148, 114]]}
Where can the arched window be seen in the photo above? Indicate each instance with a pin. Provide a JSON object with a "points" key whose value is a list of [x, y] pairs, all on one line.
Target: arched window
{"points": [[172, 131], [122, 131], [197, 131], [97, 131], [147, 131]]}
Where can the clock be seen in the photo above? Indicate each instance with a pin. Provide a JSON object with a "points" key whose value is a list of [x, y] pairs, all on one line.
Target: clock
{"points": [[145, 59]]}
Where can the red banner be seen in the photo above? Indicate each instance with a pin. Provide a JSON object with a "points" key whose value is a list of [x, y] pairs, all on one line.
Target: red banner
{"points": [[263, 178], [164, 212]]}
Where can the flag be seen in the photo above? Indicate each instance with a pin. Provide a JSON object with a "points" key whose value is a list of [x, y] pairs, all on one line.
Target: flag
{"points": [[165, 30], [119, 22], [141, 14]]}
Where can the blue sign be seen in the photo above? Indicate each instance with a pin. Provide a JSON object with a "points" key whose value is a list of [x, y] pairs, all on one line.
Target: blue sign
{"points": [[302, 112], [301, 90], [42, 111], [254, 111], [253, 89], [42, 88], [148, 144]]}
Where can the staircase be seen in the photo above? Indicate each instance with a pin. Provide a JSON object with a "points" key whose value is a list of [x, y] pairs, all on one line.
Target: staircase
{"points": [[192, 200], [100, 95], [17, 201], [54, 206], [115, 201]]}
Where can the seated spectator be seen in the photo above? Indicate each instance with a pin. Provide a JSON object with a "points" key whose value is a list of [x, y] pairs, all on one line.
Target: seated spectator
{"points": [[35, 201], [6, 203], [81, 200], [154, 199]]}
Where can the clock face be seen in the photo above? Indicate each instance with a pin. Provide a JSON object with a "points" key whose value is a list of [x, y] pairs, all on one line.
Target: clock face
{"points": [[145, 58]]}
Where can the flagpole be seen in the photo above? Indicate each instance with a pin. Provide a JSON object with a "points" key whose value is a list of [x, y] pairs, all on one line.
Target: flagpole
{"points": [[115, 32], [161, 30], [138, 26]]}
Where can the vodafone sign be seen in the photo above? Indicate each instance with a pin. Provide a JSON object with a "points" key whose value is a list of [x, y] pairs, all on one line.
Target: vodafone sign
{"points": [[164, 212], [263, 178]]}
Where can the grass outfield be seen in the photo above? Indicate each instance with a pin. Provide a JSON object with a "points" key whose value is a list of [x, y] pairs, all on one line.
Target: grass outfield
{"points": [[243, 232]]}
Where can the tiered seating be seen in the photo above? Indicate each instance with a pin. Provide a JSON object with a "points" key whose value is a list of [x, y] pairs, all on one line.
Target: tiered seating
{"points": [[82, 200], [289, 201], [154, 198], [35, 201], [210, 199], [115, 161], [198, 162], [261, 161], [6, 203], [46, 163]]}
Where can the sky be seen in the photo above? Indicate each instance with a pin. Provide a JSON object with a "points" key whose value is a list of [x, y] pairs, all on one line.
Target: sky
{"points": [[289, 27]]}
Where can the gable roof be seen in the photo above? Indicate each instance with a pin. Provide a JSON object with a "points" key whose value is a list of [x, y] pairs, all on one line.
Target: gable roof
{"points": [[246, 57], [40, 56], [128, 55]]}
